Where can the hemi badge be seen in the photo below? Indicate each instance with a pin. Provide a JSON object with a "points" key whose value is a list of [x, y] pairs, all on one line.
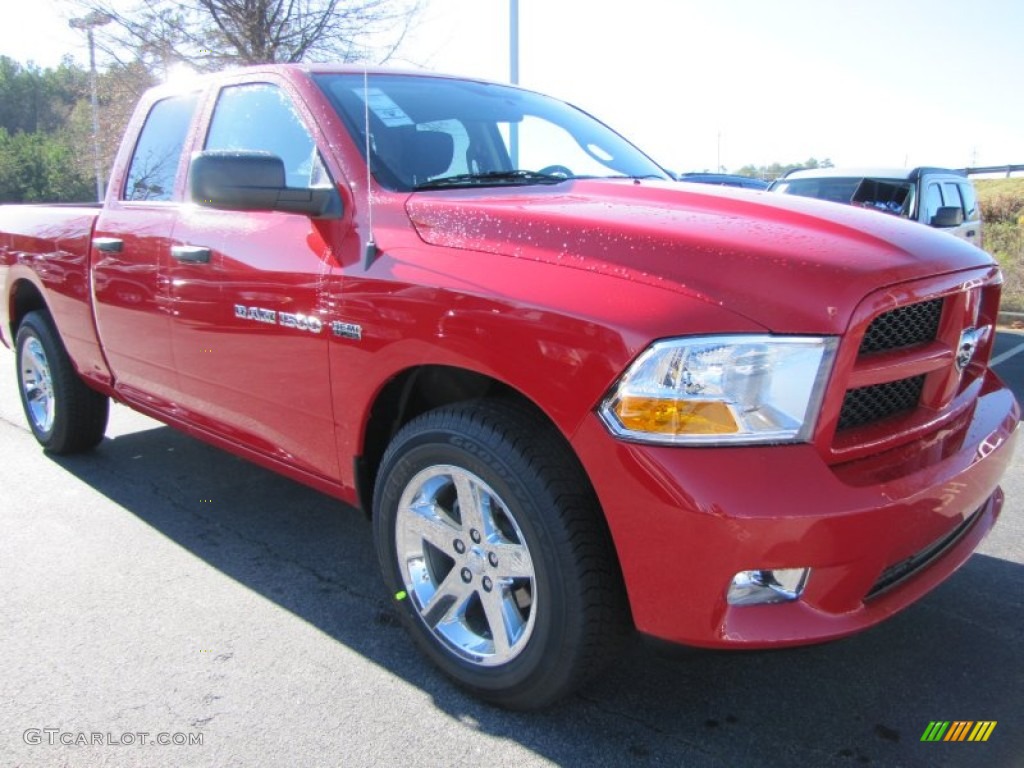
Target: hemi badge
{"points": [[347, 330]]}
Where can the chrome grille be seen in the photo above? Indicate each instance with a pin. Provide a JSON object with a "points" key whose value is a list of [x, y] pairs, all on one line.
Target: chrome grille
{"points": [[867, 404], [903, 327]]}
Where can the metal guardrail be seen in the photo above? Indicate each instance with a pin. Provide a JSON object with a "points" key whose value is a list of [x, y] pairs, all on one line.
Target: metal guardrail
{"points": [[1007, 169], [1010, 319]]}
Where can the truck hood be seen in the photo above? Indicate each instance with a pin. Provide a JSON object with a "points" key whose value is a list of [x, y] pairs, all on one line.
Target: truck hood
{"points": [[789, 264]]}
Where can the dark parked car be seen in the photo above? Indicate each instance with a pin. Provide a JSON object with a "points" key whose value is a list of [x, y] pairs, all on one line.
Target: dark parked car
{"points": [[725, 180]]}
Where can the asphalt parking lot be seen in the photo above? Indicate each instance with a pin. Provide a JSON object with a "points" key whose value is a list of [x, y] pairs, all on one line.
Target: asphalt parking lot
{"points": [[162, 587]]}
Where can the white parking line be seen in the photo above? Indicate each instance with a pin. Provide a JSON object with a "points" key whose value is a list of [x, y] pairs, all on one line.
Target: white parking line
{"points": [[1006, 355]]}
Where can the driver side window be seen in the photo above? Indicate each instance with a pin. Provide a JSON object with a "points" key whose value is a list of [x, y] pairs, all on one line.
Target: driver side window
{"points": [[260, 117], [932, 202]]}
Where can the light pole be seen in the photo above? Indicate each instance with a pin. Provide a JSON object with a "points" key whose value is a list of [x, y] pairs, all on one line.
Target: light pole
{"points": [[89, 22]]}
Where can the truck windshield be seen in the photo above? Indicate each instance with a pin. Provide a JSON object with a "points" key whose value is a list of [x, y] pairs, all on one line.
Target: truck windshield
{"points": [[434, 132]]}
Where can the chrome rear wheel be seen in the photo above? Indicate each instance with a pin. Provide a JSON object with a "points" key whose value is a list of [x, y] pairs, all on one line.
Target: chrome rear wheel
{"points": [[64, 414], [37, 384]]}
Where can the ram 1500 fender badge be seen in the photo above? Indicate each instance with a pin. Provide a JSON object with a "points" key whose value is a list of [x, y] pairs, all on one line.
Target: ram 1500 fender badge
{"points": [[284, 319]]}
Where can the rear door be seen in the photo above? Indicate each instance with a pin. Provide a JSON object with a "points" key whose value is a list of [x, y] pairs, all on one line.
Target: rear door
{"points": [[249, 299], [130, 256]]}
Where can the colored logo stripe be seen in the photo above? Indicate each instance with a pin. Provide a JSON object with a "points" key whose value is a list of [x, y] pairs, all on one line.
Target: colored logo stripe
{"points": [[958, 730], [982, 730]]}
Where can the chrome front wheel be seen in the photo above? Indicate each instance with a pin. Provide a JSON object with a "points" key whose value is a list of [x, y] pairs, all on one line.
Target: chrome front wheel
{"points": [[491, 540], [465, 565]]}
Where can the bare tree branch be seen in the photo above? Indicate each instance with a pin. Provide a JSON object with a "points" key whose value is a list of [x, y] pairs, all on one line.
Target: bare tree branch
{"points": [[212, 34]]}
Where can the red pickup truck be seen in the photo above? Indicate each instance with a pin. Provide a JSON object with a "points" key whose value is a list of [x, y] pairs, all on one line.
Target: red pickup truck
{"points": [[575, 396]]}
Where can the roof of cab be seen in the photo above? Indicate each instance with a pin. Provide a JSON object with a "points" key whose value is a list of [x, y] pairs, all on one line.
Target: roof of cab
{"points": [[903, 174]]}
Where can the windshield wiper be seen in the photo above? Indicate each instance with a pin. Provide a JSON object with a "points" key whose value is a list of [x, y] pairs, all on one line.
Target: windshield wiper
{"points": [[639, 177], [492, 178]]}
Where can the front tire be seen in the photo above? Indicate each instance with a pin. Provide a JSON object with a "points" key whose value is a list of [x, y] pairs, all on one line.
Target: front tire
{"points": [[490, 535], [65, 415]]}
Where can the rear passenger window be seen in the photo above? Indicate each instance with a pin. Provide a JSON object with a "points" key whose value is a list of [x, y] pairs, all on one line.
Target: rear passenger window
{"points": [[154, 164], [259, 117]]}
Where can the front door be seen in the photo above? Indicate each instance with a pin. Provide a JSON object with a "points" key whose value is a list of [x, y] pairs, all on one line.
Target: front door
{"points": [[248, 298]]}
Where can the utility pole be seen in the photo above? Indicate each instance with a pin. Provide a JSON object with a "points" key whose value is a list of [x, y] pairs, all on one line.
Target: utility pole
{"points": [[513, 54], [89, 22]]}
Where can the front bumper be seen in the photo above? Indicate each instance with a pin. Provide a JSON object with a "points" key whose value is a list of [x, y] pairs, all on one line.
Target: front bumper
{"points": [[878, 533]]}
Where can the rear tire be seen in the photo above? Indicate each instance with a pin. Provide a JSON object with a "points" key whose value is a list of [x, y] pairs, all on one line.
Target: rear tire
{"points": [[490, 535], [63, 413]]}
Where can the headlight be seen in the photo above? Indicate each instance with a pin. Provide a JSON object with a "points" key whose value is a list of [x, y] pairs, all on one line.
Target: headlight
{"points": [[722, 389]]}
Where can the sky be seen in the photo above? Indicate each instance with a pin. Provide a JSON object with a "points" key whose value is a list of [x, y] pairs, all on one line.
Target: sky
{"points": [[700, 84]]}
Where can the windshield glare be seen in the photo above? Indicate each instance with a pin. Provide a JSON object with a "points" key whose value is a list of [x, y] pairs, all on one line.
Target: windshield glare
{"points": [[423, 129]]}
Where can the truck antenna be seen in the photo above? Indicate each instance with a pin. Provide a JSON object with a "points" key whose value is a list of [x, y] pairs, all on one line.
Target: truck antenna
{"points": [[371, 245]]}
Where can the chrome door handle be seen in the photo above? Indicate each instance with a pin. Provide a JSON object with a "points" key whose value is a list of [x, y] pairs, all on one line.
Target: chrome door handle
{"points": [[191, 254], [108, 244]]}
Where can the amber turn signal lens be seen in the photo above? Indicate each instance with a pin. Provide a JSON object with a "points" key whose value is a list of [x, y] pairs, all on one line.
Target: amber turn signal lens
{"points": [[662, 416]]}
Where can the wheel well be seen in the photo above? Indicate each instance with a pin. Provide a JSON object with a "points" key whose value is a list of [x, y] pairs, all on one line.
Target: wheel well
{"points": [[25, 298], [411, 393]]}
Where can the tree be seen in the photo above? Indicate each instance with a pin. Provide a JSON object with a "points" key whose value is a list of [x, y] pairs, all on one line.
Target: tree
{"points": [[773, 171], [37, 167], [34, 99], [211, 34], [38, 152]]}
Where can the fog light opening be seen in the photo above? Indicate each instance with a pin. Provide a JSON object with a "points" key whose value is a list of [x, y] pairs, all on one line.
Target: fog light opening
{"points": [[764, 587]]}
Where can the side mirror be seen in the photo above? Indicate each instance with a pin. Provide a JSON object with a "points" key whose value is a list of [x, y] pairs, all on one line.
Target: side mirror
{"points": [[255, 181], [948, 216]]}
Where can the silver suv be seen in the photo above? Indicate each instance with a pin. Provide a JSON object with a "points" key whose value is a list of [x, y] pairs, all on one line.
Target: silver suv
{"points": [[938, 197]]}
